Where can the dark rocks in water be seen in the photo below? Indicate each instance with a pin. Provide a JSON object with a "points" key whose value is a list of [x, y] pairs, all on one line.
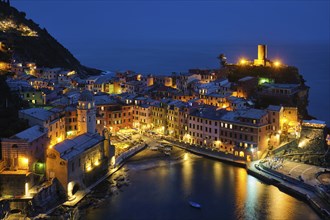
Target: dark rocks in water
{"points": [[85, 204], [119, 185], [121, 178], [60, 211]]}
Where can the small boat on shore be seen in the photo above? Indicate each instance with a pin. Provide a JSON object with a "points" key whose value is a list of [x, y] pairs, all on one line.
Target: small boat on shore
{"points": [[167, 153], [154, 148], [195, 204]]}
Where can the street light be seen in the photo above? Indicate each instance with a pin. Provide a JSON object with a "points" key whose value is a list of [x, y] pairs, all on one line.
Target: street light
{"points": [[277, 63], [243, 61]]}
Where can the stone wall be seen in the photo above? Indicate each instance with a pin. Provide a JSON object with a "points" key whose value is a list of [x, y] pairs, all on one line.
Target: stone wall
{"points": [[48, 197], [13, 185]]}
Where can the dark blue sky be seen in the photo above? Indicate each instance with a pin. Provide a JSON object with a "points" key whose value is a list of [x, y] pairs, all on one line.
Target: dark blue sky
{"points": [[224, 21]]}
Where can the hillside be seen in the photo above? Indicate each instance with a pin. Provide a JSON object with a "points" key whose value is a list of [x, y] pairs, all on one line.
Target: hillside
{"points": [[24, 40], [286, 75]]}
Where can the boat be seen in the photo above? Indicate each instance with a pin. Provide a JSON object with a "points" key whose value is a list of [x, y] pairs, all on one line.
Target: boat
{"points": [[167, 153], [168, 148], [195, 204], [153, 148]]}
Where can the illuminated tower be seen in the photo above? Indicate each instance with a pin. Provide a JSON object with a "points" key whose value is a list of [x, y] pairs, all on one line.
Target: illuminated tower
{"points": [[150, 80], [262, 52], [86, 113], [262, 55]]}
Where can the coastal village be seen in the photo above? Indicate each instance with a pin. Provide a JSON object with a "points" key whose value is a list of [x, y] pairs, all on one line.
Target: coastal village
{"points": [[81, 129]]}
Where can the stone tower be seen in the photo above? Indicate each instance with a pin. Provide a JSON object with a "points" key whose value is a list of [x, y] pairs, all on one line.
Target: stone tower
{"points": [[86, 113], [262, 55]]}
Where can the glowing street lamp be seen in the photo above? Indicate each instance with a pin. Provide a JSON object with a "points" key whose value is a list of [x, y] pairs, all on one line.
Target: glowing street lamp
{"points": [[277, 63], [243, 61], [97, 163]]}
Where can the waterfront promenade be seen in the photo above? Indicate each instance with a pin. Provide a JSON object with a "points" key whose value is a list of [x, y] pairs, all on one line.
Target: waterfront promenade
{"points": [[208, 152], [293, 184]]}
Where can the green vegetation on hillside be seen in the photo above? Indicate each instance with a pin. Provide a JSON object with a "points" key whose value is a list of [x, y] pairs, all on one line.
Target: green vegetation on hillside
{"points": [[10, 104], [289, 75]]}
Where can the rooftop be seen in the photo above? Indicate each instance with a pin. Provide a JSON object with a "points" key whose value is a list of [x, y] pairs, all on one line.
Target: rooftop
{"points": [[70, 148], [144, 106], [252, 113], [31, 134], [275, 108], [86, 96], [177, 104], [104, 79], [243, 113], [209, 113], [38, 113], [104, 100], [236, 100]]}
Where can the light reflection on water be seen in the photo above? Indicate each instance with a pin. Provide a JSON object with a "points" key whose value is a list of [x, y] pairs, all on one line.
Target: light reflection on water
{"points": [[241, 192], [186, 174], [224, 191], [218, 177]]}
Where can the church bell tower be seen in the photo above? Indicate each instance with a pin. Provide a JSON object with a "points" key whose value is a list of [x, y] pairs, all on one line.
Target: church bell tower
{"points": [[86, 113]]}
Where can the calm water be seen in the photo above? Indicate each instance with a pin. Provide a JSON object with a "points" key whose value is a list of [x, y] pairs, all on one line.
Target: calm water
{"points": [[313, 61], [224, 191]]}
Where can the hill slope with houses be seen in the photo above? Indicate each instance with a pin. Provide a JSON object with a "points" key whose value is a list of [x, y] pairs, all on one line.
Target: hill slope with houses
{"points": [[21, 39]]}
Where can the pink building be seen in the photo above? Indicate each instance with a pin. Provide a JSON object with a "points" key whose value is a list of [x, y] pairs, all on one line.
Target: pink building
{"points": [[243, 133], [23, 156], [23, 150]]}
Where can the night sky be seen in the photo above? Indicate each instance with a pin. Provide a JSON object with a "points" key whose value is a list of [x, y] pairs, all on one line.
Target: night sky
{"points": [[225, 21]]}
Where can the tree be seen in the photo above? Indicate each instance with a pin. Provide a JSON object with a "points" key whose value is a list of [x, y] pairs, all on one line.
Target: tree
{"points": [[223, 60]]}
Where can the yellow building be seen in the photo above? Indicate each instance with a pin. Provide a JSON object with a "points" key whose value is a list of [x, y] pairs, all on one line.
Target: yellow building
{"points": [[142, 117], [4, 66], [52, 120], [79, 161], [159, 119], [73, 161]]}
